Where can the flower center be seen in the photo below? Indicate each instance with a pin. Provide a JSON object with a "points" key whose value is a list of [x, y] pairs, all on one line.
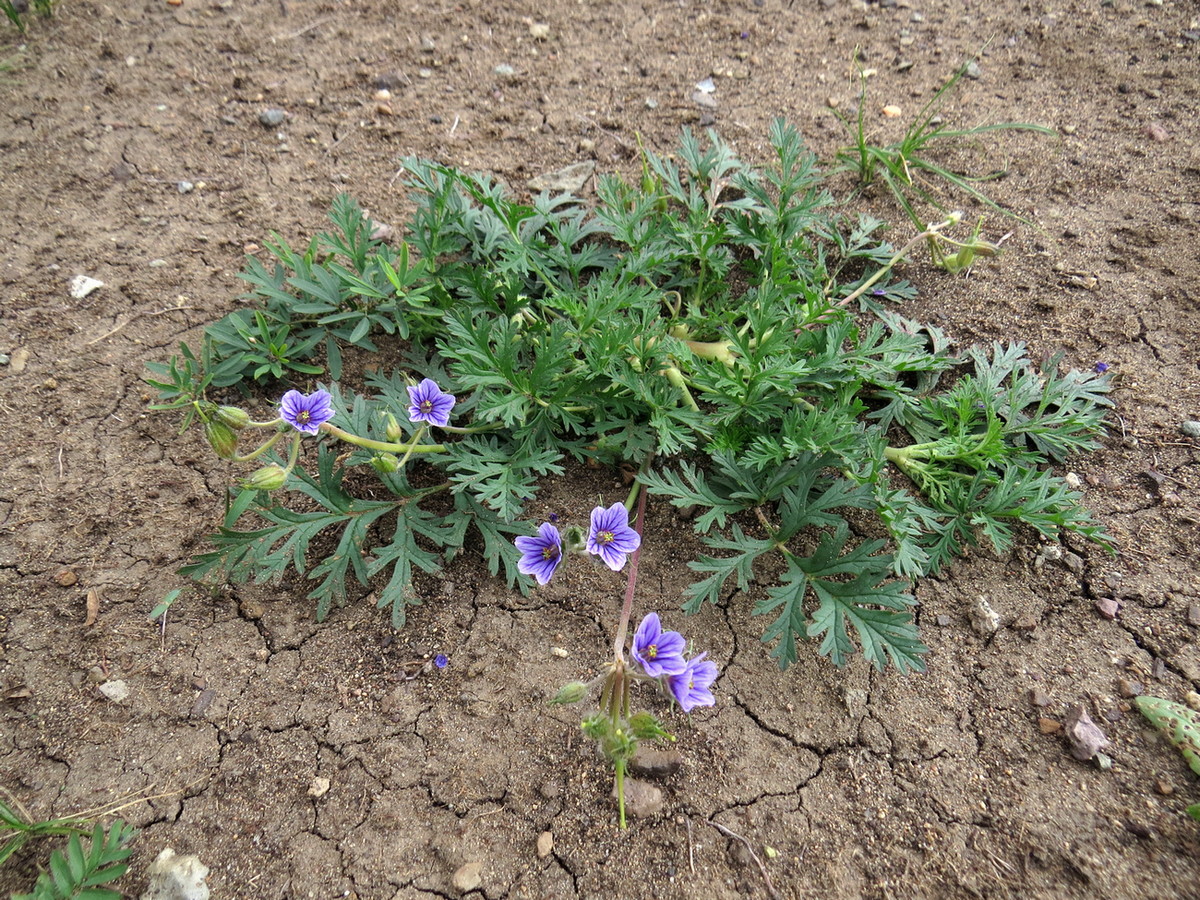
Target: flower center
{"points": [[549, 552], [426, 406], [303, 416], [652, 651], [605, 537]]}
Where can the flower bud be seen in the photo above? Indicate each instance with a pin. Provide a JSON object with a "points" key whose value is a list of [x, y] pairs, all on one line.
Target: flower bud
{"points": [[268, 478], [647, 728], [221, 438], [574, 540], [385, 463], [570, 693], [596, 726], [394, 432], [233, 416]]}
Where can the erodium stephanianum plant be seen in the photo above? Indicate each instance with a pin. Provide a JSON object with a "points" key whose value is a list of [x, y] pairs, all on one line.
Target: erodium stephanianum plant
{"points": [[728, 333]]}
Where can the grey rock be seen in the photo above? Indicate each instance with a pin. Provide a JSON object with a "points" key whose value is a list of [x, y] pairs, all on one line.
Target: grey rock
{"points": [[651, 762], [545, 844], [468, 877], [973, 70], [985, 621], [272, 118], [570, 179], [174, 877], [642, 800], [1190, 429], [185, 187], [1085, 737], [116, 691]]}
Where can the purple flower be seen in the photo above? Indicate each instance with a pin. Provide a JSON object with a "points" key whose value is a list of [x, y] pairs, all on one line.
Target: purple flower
{"points": [[691, 687], [441, 660], [428, 403], [658, 652], [610, 537], [540, 555], [306, 412], [1101, 368]]}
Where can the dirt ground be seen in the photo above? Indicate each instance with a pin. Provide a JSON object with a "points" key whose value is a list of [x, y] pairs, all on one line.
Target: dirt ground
{"points": [[864, 785]]}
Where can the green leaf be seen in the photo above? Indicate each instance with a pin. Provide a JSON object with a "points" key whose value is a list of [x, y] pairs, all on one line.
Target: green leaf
{"points": [[869, 606], [740, 565], [788, 599], [1180, 724], [689, 486], [403, 553]]}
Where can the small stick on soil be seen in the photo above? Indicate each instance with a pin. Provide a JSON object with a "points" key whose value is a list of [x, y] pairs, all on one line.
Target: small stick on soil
{"points": [[691, 853], [775, 895], [304, 30], [161, 312], [611, 134]]}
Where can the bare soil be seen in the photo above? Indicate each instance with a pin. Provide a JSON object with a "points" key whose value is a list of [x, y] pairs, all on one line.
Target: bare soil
{"points": [[864, 785]]}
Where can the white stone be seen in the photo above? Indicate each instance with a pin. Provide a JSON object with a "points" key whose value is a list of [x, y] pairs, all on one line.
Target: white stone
{"points": [[80, 286], [174, 877]]}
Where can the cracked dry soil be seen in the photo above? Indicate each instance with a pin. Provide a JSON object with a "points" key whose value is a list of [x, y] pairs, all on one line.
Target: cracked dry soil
{"points": [[865, 785]]}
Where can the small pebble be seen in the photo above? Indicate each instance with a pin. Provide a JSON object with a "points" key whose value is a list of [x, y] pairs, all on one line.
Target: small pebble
{"points": [[1049, 726], [272, 118], [1192, 699], [943, 620], [1107, 607], [468, 877], [1085, 737], [116, 691], [1156, 132], [504, 70], [1074, 482], [891, 111], [559, 652], [642, 800], [1127, 688], [318, 787], [1137, 828], [185, 187], [66, 578], [984, 620], [1190, 429], [1193, 614], [1026, 622], [157, 263], [545, 844], [81, 285], [1039, 697], [1164, 787], [539, 31], [973, 70]]}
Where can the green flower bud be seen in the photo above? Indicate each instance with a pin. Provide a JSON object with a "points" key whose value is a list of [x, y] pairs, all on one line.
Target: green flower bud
{"points": [[596, 726], [235, 418], [395, 433], [570, 693], [268, 478], [221, 438], [647, 728], [385, 463], [574, 540]]}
